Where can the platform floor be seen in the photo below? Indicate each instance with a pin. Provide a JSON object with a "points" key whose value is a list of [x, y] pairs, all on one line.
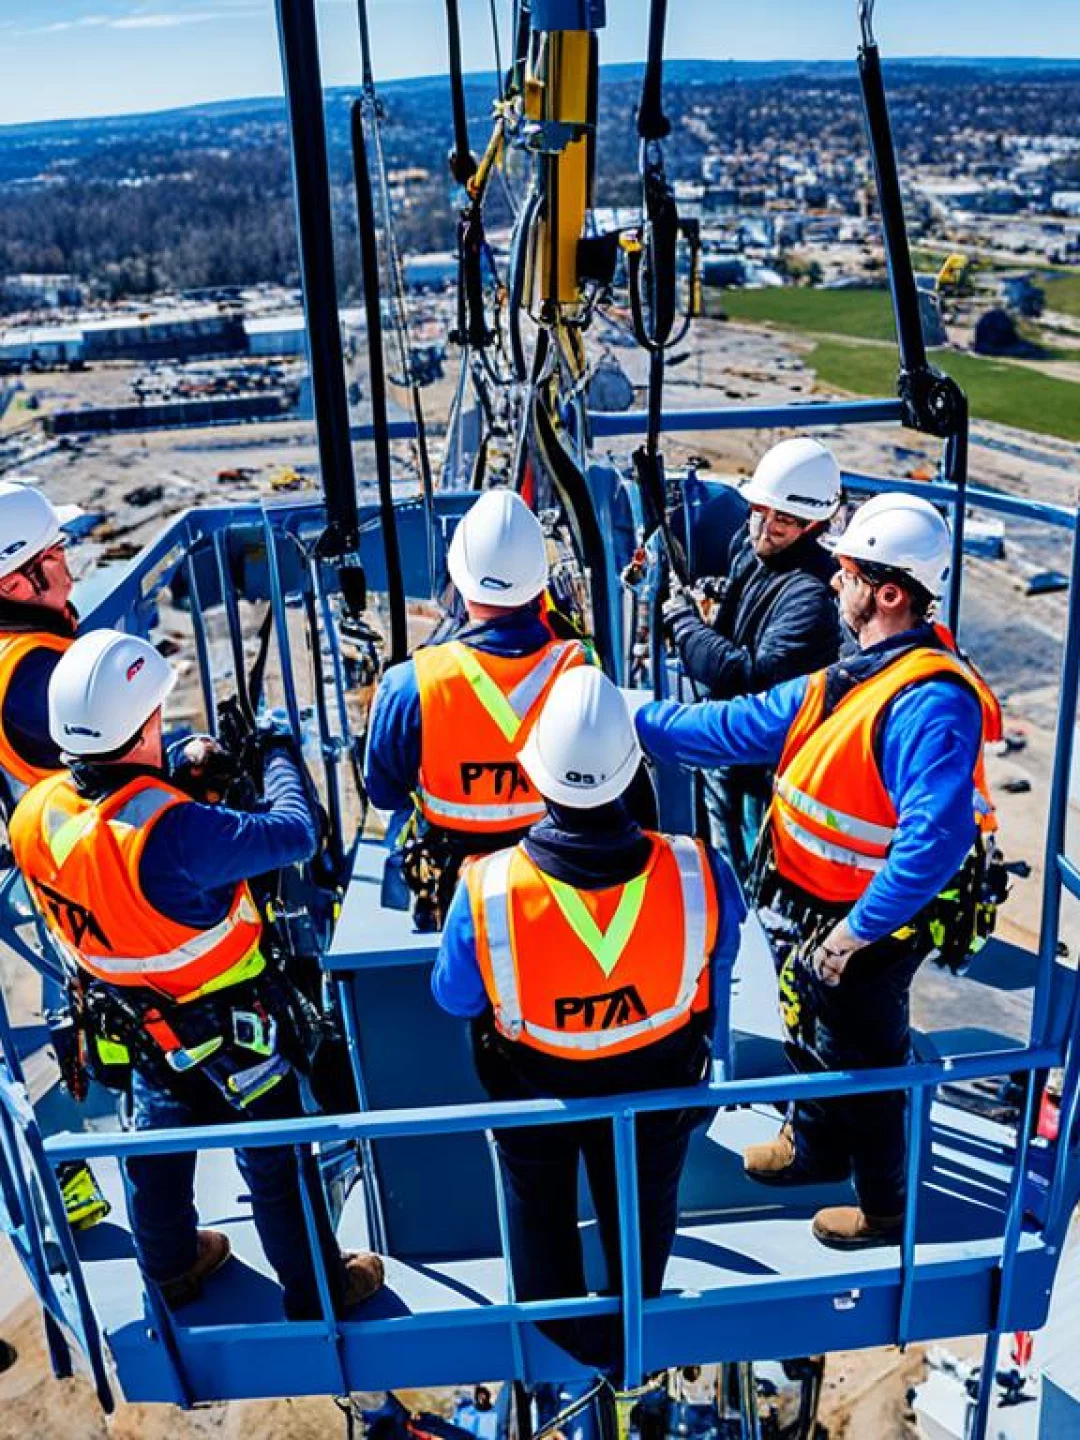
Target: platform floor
{"points": [[746, 1278]]}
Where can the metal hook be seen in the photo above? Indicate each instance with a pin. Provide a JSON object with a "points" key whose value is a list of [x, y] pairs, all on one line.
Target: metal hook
{"points": [[866, 23]]}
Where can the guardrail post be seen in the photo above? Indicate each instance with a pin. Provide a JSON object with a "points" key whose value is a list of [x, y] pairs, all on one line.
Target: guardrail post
{"points": [[625, 1136]]}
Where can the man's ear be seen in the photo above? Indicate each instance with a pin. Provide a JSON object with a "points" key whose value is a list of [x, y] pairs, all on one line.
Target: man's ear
{"points": [[889, 594]]}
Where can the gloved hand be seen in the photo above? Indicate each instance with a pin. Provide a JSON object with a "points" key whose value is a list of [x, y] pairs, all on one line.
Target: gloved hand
{"points": [[273, 735], [679, 605], [201, 766]]}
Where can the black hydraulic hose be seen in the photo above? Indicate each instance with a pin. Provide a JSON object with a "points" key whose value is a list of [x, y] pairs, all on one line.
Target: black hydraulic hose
{"points": [[462, 160], [366, 71], [369, 264], [652, 123], [311, 183], [956, 472], [905, 295]]}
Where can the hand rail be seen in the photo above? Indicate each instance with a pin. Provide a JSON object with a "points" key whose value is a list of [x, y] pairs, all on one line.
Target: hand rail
{"points": [[462, 1119]]}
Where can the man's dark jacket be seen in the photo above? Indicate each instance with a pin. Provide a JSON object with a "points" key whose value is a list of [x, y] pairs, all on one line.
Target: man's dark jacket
{"points": [[778, 618]]}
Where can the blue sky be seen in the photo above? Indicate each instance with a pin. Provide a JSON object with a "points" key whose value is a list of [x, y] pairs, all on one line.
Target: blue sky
{"points": [[62, 58]]}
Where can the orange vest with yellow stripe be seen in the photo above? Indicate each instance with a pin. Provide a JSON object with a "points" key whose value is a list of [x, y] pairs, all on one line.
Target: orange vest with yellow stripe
{"points": [[476, 712], [585, 974], [13, 650], [80, 859], [832, 820]]}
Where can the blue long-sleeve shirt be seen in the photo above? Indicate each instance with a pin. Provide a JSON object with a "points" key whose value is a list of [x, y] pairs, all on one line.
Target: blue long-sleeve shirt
{"points": [[930, 739], [392, 762], [195, 855]]}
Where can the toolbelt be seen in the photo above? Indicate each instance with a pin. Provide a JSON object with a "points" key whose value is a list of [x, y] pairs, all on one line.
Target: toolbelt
{"points": [[958, 922], [950, 930], [242, 1040]]}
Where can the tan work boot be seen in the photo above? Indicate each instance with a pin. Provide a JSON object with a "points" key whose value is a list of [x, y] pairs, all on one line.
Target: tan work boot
{"points": [[364, 1274], [846, 1227], [774, 1162], [213, 1249]]}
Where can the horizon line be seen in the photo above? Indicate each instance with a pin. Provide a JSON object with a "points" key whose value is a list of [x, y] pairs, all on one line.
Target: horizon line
{"points": [[1065, 61]]}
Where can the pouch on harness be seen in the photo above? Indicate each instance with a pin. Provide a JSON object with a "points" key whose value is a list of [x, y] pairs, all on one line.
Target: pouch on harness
{"points": [[242, 1040]]}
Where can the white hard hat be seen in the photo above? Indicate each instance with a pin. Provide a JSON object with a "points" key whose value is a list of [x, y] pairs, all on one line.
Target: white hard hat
{"points": [[104, 688], [904, 533], [498, 555], [583, 750], [29, 524], [800, 477]]}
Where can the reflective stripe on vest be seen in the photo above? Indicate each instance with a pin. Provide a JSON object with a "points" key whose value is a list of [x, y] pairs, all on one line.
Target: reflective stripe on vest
{"points": [[81, 860], [509, 711], [496, 900], [514, 815], [244, 913], [826, 850], [832, 820], [838, 820]]}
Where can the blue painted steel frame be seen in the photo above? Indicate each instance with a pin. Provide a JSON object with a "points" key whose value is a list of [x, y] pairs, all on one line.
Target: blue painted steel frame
{"points": [[132, 603]]}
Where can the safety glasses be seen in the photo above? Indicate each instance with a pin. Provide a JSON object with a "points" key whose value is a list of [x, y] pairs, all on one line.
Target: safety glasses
{"points": [[35, 569]]}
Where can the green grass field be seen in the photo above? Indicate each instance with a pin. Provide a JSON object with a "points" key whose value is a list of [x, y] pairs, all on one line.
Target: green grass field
{"points": [[1062, 293], [1005, 393], [863, 314]]}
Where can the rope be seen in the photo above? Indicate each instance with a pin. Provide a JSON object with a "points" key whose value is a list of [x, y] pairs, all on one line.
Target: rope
{"points": [[396, 274]]}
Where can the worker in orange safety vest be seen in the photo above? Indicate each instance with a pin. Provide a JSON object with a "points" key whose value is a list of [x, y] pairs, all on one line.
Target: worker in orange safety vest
{"points": [[37, 624], [145, 893], [592, 958], [446, 726], [878, 849]]}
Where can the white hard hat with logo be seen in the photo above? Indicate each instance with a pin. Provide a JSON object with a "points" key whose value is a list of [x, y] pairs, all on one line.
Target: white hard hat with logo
{"points": [[903, 533], [104, 689], [29, 524], [799, 477], [498, 555], [583, 750]]}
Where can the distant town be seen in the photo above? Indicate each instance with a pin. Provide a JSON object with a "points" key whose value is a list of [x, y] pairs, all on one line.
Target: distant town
{"points": [[167, 239]]}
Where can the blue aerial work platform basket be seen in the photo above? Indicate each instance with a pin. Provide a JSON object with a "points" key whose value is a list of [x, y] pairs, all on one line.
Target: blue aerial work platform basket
{"points": [[746, 1280], [410, 1172]]}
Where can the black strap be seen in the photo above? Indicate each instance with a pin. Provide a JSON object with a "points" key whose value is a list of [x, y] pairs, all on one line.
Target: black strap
{"points": [[462, 160], [652, 123]]}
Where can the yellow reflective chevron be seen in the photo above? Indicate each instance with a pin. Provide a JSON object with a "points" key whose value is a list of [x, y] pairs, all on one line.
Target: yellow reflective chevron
{"points": [[487, 692], [605, 946]]}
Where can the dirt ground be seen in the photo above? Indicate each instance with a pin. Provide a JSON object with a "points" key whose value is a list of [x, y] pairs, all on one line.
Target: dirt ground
{"points": [[1015, 637]]}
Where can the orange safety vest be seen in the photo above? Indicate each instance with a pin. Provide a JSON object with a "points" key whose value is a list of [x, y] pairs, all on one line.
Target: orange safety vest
{"points": [[832, 820], [14, 648], [476, 712], [584, 974], [80, 859]]}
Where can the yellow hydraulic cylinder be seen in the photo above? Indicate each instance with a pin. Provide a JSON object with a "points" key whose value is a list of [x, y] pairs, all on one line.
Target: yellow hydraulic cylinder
{"points": [[562, 93]]}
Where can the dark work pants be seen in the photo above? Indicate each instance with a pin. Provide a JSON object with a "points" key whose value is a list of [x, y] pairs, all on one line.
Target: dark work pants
{"points": [[861, 1023], [161, 1201], [540, 1178]]}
